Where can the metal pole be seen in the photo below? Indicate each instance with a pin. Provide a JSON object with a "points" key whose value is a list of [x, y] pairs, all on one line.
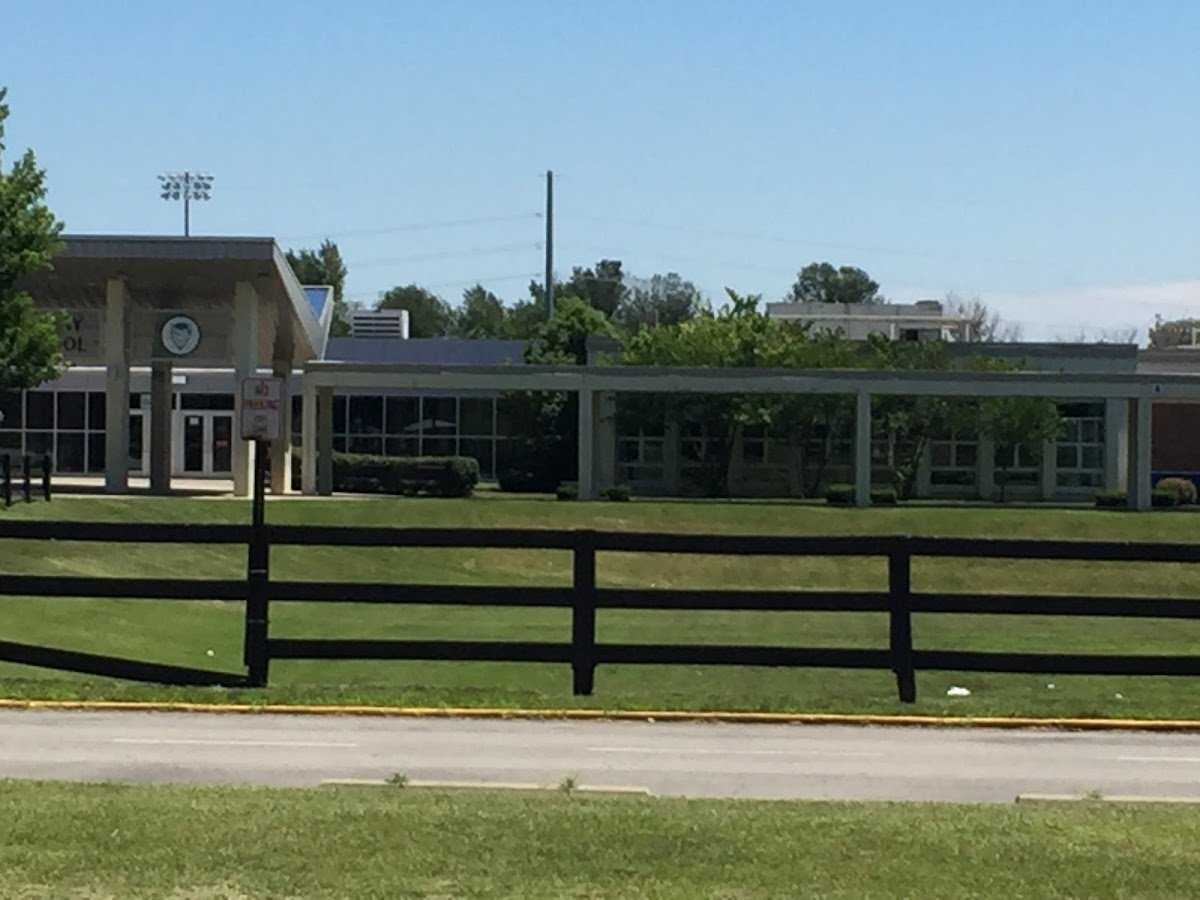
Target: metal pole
{"points": [[549, 245], [258, 576], [187, 195]]}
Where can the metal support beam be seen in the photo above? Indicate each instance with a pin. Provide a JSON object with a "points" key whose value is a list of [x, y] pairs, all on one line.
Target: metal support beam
{"points": [[161, 421], [862, 450], [1140, 412], [116, 391], [245, 365], [308, 441], [325, 441], [587, 421]]}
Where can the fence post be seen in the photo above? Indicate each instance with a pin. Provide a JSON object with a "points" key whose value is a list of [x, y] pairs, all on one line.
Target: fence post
{"points": [[258, 575], [899, 590], [28, 486], [46, 476], [7, 464], [583, 614]]}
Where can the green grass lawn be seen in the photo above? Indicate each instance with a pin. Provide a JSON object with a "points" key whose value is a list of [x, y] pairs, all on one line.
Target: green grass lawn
{"points": [[127, 841], [209, 634]]}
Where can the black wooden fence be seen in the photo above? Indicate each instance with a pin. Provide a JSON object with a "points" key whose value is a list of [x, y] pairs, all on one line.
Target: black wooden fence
{"points": [[584, 598], [23, 472]]}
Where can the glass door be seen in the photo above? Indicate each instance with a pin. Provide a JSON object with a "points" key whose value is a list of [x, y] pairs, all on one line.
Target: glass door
{"points": [[220, 444], [194, 443], [138, 449]]}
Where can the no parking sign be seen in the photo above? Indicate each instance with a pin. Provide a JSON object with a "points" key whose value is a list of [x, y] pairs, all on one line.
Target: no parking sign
{"points": [[262, 409]]}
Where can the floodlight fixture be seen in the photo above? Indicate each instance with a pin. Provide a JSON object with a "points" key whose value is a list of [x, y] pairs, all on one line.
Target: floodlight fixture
{"points": [[185, 186]]}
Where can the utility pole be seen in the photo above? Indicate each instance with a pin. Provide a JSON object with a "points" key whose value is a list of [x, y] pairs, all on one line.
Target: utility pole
{"points": [[549, 245]]}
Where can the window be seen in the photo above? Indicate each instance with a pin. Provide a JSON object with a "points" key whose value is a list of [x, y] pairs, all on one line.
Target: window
{"points": [[11, 411], [366, 415], [71, 410], [640, 458], [39, 409], [403, 415], [1018, 465], [1079, 453], [952, 461], [206, 401], [754, 446]]}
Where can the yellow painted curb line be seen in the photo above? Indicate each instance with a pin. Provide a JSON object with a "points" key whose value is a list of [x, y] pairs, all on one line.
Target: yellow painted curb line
{"points": [[746, 718]]}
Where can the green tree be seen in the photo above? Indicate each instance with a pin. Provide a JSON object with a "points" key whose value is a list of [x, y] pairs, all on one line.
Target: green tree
{"points": [[29, 239], [481, 314], [660, 300], [523, 320], [428, 314], [1013, 422], [822, 283], [325, 266], [600, 287]]}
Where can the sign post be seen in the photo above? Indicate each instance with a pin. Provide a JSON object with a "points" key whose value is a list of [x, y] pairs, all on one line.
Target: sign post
{"points": [[261, 422]]}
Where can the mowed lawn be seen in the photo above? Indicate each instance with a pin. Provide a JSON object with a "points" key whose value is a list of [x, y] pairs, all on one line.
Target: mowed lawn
{"points": [[134, 841], [209, 634]]}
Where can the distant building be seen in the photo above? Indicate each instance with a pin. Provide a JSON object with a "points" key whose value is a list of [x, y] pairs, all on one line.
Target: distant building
{"points": [[925, 320]]}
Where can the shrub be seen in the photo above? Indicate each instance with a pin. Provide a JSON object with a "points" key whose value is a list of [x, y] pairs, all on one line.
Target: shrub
{"points": [[439, 476], [884, 497], [1111, 499], [1183, 488], [526, 481], [567, 492], [618, 494], [1164, 499], [840, 495]]}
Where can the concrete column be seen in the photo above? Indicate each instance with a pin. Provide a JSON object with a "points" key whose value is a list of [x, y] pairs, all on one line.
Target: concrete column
{"points": [[116, 392], [924, 485], [308, 441], [245, 365], [985, 468], [1116, 444], [1049, 471], [325, 441], [161, 422], [604, 446], [671, 458], [587, 431], [281, 450], [862, 450], [1138, 477]]}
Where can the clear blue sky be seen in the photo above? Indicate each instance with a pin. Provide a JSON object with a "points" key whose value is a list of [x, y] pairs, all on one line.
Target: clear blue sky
{"points": [[1043, 155]]}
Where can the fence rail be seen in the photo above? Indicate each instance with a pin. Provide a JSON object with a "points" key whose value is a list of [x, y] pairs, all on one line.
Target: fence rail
{"points": [[584, 599]]}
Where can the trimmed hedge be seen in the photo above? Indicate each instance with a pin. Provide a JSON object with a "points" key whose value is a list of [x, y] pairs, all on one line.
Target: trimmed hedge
{"points": [[618, 494], [567, 492], [884, 497], [438, 476], [1183, 488], [845, 495], [840, 495], [1164, 499], [526, 481], [1111, 499]]}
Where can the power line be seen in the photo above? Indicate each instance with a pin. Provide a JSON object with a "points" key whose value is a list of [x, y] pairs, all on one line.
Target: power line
{"points": [[464, 282], [796, 241], [413, 226], [445, 254]]}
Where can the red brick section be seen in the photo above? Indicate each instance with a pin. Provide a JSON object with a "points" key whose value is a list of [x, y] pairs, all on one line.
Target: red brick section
{"points": [[1175, 437]]}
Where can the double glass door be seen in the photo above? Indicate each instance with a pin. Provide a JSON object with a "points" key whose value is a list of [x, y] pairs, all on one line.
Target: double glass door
{"points": [[204, 442]]}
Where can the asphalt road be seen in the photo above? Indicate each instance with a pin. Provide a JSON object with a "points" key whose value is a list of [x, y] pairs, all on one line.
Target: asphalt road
{"points": [[800, 761]]}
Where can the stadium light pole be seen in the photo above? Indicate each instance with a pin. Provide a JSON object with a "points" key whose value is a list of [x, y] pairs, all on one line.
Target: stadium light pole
{"points": [[186, 186]]}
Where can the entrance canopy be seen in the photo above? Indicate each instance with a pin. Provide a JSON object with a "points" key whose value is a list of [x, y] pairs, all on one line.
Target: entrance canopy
{"points": [[193, 277]]}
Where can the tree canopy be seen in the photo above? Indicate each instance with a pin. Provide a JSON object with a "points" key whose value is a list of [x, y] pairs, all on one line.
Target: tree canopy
{"points": [[30, 348], [428, 314], [481, 314], [325, 266], [659, 300], [820, 282]]}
